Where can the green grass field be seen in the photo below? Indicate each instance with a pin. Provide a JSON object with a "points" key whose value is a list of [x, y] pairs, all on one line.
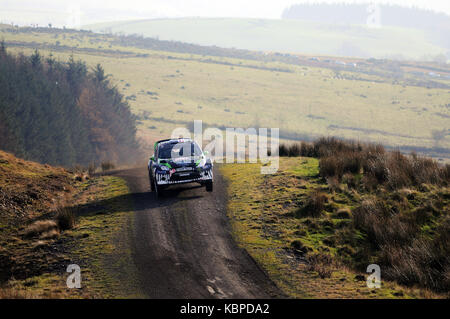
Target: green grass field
{"points": [[283, 35], [167, 90]]}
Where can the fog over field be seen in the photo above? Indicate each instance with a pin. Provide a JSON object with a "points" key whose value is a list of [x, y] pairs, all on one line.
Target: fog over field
{"points": [[59, 13], [398, 30]]}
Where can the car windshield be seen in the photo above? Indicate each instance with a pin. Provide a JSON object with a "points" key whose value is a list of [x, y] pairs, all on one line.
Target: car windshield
{"points": [[181, 149]]}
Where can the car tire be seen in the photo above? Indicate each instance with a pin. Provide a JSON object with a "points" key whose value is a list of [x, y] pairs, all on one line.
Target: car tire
{"points": [[157, 190], [209, 186], [152, 185]]}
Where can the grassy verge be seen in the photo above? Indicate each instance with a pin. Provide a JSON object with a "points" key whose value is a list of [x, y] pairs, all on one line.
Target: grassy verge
{"points": [[50, 219], [100, 244], [267, 220], [97, 243]]}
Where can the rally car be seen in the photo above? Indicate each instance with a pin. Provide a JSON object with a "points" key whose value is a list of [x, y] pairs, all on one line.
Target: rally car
{"points": [[179, 161]]}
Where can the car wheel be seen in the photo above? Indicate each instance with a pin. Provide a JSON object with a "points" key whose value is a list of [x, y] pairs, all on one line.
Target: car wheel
{"points": [[152, 185], [209, 186], [157, 189]]}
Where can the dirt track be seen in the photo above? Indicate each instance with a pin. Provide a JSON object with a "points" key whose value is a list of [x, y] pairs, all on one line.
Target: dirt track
{"points": [[182, 244]]}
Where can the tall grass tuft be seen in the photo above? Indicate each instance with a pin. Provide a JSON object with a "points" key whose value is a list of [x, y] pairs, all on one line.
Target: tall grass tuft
{"points": [[65, 218], [314, 204], [320, 263]]}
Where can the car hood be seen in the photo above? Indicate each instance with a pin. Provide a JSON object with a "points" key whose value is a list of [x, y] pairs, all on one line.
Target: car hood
{"points": [[190, 161]]}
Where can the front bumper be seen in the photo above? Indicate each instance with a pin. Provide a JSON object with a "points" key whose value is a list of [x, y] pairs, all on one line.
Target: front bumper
{"points": [[183, 177]]}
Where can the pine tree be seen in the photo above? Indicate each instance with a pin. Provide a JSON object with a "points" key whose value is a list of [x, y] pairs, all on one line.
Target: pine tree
{"points": [[36, 59], [99, 73], [59, 113], [2, 48]]}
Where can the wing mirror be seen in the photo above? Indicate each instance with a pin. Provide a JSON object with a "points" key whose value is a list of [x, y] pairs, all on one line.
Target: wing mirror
{"points": [[152, 158]]}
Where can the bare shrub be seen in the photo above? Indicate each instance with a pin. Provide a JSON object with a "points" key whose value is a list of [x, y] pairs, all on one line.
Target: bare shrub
{"points": [[307, 149], [283, 150], [339, 164], [400, 171], [408, 257], [330, 166], [422, 262], [426, 170], [331, 146], [294, 150], [382, 225], [379, 167], [375, 166], [351, 162]]}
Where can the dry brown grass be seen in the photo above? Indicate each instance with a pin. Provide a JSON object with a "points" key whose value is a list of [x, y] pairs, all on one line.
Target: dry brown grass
{"points": [[11, 293], [330, 166], [323, 264], [39, 227], [344, 213], [51, 234], [333, 184], [350, 180], [14, 293], [407, 257], [65, 218], [314, 204], [379, 167]]}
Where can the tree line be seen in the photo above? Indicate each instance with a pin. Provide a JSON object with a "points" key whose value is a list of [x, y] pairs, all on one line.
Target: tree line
{"points": [[62, 113]]}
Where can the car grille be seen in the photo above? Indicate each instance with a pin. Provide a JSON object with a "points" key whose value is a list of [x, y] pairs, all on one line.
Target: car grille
{"points": [[179, 177], [184, 176]]}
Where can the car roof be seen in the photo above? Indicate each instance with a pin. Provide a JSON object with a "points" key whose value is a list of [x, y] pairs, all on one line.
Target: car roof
{"points": [[178, 140], [173, 140]]}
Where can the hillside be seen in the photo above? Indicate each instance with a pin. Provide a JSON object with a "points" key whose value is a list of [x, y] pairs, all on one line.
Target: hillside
{"points": [[50, 218], [435, 24], [288, 36]]}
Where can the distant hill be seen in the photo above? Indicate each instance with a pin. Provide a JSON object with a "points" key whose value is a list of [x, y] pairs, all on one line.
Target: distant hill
{"points": [[436, 25], [286, 35]]}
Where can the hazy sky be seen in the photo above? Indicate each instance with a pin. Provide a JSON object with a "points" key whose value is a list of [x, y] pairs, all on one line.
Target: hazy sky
{"points": [[71, 12]]}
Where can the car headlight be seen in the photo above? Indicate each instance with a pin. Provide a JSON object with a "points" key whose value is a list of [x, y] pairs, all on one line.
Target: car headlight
{"points": [[204, 165], [164, 168], [201, 163]]}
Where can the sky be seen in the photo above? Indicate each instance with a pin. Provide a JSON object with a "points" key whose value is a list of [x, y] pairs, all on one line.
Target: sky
{"points": [[74, 13]]}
